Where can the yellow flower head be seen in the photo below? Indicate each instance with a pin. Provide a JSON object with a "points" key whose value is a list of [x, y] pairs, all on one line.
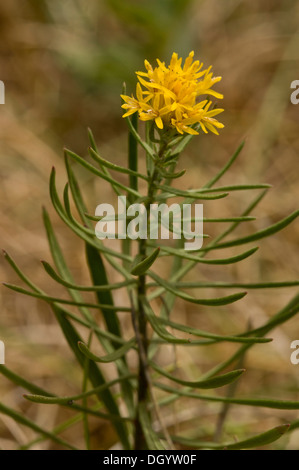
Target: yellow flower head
{"points": [[170, 96]]}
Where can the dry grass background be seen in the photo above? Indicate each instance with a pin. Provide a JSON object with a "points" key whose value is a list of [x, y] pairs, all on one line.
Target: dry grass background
{"points": [[63, 64]]}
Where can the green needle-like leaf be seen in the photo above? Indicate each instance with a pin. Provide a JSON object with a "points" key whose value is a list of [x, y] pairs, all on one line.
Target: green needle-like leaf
{"points": [[75, 227], [226, 166], [102, 167], [214, 382], [143, 144], [258, 235], [69, 401], [141, 267], [103, 175], [168, 192], [103, 288], [133, 157], [209, 302], [250, 285], [20, 418], [169, 175], [120, 352], [205, 334], [113, 166], [159, 328], [255, 402], [198, 259], [257, 441], [196, 193], [57, 300]]}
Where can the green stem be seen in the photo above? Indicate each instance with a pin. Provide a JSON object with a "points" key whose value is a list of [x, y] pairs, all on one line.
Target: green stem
{"points": [[140, 320]]}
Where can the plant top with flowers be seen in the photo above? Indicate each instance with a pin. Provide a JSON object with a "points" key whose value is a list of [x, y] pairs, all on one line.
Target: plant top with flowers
{"points": [[172, 96]]}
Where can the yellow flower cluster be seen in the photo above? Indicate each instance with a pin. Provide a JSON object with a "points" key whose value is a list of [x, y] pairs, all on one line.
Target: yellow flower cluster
{"points": [[169, 96]]}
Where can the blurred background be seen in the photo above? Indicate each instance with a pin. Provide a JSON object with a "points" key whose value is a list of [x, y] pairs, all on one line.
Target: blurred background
{"points": [[63, 65]]}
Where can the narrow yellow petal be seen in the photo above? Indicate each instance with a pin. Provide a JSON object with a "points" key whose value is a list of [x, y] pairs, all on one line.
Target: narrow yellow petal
{"points": [[159, 122], [131, 111]]}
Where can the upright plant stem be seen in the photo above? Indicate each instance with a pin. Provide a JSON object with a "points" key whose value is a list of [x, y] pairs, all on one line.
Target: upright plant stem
{"points": [[140, 320]]}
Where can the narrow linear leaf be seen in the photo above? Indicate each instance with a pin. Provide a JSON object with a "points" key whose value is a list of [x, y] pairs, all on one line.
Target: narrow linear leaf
{"points": [[54, 400], [169, 175], [21, 419], [209, 302], [113, 166], [278, 319], [255, 402], [182, 143], [234, 187], [101, 174], [92, 139], [289, 311], [89, 411], [214, 382], [216, 284], [158, 327], [89, 230], [258, 235], [234, 225], [133, 156], [78, 199], [231, 260], [20, 273], [76, 193], [137, 137], [76, 228], [65, 273], [92, 325], [171, 192], [86, 428], [205, 334], [226, 166], [120, 352], [228, 219], [257, 441], [50, 299], [197, 193], [141, 267], [21, 382], [103, 288], [31, 387], [103, 168]]}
